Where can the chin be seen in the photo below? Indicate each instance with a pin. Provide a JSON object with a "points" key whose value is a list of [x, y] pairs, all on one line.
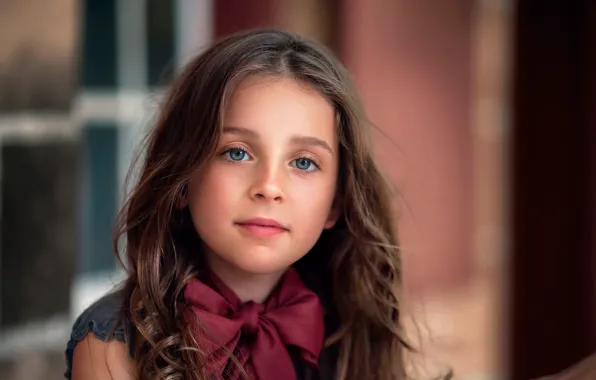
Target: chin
{"points": [[260, 261], [255, 259], [261, 267]]}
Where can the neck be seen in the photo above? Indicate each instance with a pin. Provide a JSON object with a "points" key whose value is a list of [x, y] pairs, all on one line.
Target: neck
{"points": [[246, 286]]}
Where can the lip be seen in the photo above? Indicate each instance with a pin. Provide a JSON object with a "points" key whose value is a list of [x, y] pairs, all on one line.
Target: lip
{"points": [[262, 227]]}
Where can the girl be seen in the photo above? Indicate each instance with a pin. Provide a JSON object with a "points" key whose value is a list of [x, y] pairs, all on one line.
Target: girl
{"points": [[259, 238]]}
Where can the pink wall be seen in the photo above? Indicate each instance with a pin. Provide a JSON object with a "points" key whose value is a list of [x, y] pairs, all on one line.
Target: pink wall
{"points": [[411, 61]]}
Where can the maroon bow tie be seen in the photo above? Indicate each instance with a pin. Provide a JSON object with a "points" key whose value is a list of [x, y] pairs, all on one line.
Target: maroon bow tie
{"points": [[259, 335]]}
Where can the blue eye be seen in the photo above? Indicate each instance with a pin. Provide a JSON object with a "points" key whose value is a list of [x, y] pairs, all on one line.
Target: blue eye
{"points": [[236, 154], [304, 164]]}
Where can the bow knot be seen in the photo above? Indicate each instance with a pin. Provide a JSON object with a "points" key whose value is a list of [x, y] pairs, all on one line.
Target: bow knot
{"points": [[249, 314], [257, 334]]}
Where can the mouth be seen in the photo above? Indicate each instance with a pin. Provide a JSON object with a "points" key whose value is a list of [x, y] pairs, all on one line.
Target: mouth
{"points": [[262, 227]]}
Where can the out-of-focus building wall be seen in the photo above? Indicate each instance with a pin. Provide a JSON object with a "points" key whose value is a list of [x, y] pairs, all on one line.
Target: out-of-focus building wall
{"points": [[430, 83], [38, 63], [39, 158]]}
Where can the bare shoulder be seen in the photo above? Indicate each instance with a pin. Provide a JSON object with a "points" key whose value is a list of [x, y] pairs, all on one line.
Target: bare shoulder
{"points": [[101, 341], [101, 360]]}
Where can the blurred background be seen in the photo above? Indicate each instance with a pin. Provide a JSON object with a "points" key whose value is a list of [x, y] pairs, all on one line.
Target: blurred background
{"points": [[486, 113]]}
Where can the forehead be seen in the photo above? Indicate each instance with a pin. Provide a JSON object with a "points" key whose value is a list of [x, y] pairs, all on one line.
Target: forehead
{"points": [[274, 106]]}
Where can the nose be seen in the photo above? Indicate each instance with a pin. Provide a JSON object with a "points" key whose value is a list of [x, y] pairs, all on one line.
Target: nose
{"points": [[267, 185]]}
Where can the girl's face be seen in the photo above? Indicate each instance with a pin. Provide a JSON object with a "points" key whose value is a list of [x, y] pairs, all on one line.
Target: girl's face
{"points": [[262, 202]]}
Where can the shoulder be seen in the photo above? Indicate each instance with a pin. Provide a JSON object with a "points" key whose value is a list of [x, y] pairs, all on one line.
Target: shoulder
{"points": [[102, 318], [99, 334]]}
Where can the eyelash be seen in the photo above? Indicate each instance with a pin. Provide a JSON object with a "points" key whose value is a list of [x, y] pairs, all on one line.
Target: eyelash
{"points": [[303, 157]]}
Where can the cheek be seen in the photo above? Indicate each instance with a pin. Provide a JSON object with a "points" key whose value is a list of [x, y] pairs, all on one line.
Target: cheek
{"points": [[311, 210], [212, 195], [313, 202]]}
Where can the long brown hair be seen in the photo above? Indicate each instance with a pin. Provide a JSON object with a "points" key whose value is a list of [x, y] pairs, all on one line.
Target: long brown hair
{"points": [[355, 267]]}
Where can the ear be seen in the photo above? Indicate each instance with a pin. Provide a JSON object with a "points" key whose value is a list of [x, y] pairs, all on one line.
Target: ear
{"points": [[334, 213]]}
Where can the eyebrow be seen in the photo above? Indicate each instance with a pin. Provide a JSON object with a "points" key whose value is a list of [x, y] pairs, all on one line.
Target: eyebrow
{"points": [[311, 141], [240, 131], [299, 140]]}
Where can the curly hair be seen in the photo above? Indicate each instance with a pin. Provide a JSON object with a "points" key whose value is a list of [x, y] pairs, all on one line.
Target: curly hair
{"points": [[354, 267]]}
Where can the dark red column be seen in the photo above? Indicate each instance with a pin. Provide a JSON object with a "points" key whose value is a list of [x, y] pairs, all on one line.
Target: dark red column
{"points": [[236, 15]]}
